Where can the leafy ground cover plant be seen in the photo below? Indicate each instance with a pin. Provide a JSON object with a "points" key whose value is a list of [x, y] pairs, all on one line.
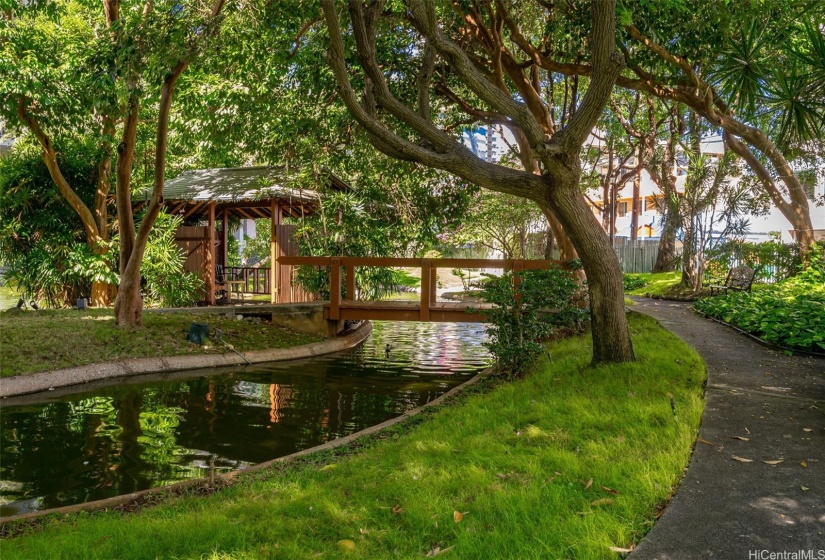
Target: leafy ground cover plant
{"points": [[521, 319], [790, 313], [634, 281]]}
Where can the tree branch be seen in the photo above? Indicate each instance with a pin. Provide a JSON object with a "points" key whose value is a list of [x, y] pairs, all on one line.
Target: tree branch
{"points": [[607, 64], [457, 159], [423, 18], [49, 156]]}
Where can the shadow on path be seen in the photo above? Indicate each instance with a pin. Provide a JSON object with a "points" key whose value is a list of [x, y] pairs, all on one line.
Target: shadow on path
{"points": [[775, 403]]}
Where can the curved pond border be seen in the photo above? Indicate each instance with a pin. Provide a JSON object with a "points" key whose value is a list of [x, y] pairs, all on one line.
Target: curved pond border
{"points": [[42, 381], [178, 487]]}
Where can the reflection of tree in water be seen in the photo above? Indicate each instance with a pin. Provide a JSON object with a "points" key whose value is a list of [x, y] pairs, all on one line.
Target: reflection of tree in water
{"points": [[81, 437], [127, 438]]}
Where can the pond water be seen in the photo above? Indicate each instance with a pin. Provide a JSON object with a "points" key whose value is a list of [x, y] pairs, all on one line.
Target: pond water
{"points": [[59, 449], [8, 298]]}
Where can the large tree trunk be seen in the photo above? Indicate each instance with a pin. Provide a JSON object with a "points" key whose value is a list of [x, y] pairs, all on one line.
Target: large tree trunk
{"points": [[611, 335], [557, 189], [95, 225], [129, 303], [689, 255], [666, 257]]}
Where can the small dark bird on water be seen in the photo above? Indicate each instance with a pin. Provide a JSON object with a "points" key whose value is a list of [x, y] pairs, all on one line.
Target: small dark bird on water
{"points": [[387, 349]]}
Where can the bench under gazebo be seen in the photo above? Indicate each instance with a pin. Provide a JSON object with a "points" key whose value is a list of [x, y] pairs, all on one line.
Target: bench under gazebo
{"points": [[215, 196]]}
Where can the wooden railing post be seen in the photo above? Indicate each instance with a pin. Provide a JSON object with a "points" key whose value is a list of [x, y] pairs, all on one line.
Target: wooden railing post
{"points": [[426, 288], [518, 268], [350, 283], [335, 289], [433, 283]]}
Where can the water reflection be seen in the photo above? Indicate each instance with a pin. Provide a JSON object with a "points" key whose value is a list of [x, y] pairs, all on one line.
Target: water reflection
{"points": [[120, 438]]}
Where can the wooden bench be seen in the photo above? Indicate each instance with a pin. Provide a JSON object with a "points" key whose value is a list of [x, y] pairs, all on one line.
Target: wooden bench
{"points": [[739, 278]]}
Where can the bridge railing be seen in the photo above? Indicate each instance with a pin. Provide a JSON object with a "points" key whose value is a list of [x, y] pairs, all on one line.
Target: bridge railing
{"points": [[429, 268]]}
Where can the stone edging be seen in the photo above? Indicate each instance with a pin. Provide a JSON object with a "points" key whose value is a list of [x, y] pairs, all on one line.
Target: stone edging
{"points": [[44, 380], [171, 489]]}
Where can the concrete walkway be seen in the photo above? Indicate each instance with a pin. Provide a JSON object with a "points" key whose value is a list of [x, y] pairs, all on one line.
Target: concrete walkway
{"points": [[726, 508]]}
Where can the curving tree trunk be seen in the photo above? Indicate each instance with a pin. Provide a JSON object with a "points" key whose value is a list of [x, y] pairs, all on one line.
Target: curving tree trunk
{"points": [[95, 220], [601, 265], [557, 187], [129, 303]]}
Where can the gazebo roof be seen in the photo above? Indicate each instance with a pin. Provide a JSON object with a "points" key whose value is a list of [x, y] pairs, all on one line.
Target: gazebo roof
{"points": [[238, 187]]}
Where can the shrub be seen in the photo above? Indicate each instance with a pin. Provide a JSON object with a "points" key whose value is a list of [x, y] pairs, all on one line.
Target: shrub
{"points": [[633, 282], [167, 283], [790, 313], [549, 301]]}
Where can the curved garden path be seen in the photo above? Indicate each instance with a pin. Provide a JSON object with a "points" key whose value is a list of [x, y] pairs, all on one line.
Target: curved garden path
{"points": [[775, 404]]}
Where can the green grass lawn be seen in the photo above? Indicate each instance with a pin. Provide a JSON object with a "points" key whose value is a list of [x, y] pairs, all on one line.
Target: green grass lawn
{"points": [[565, 463], [658, 284], [667, 285], [51, 339]]}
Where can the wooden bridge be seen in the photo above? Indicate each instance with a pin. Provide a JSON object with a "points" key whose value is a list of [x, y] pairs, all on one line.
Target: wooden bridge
{"points": [[340, 309]]}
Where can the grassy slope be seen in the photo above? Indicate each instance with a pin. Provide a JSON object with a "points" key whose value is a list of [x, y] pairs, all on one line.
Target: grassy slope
{"points": [[659, 283], [667, 285], [44, 340], [517, 459]]}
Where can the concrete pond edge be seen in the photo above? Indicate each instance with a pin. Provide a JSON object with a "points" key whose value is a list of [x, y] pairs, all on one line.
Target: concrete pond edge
{"points": [[173, 489], [45, 380]]}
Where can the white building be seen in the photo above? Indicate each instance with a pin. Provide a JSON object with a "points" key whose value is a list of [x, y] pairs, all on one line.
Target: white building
{"points": [[650, 218], [486, 143]]}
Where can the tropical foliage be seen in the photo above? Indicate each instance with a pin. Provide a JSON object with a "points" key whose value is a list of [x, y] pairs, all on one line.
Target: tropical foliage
{"points": [[41, 242], [167, 284], [790, 313]]}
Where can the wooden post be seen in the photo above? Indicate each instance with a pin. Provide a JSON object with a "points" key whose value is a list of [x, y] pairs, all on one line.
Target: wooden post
{"points": [[518, 268], [210, 257], [426, 289], [350, 283], [274, 253], [433, 284], [225, 223], [335, 289]]}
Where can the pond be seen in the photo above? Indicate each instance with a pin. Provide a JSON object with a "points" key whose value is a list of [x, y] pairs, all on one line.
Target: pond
{"points": [[8, 298], [67, 448]]}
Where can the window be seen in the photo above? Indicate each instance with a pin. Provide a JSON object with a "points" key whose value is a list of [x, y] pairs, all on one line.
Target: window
{"points": [[622, 209]]}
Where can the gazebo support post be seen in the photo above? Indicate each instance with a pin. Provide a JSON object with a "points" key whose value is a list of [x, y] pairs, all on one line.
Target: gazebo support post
{"points": [[225, 230], [275, 251], [210, 257]]}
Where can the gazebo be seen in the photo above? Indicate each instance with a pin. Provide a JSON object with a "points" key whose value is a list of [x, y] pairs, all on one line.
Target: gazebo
{"points": [[215, 195]]}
